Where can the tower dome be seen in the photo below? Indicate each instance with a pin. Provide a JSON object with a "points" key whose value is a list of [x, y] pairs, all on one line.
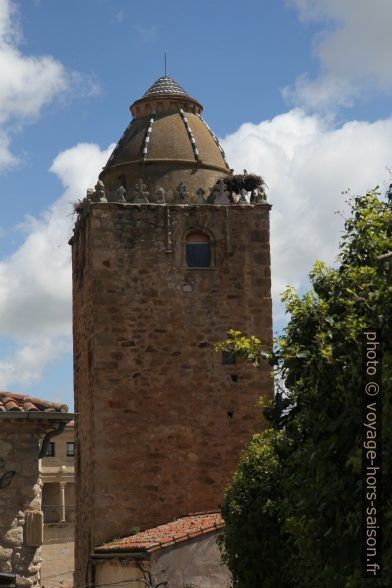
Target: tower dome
{"points": [[167, 142]]}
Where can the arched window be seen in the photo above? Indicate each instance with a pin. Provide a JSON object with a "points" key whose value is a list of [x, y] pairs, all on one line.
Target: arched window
{"points": [[198, 250]]}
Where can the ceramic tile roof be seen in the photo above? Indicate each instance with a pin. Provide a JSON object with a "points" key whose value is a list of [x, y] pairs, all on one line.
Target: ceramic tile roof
{"points": [[21, 403], [183, 529], [165, 86]]}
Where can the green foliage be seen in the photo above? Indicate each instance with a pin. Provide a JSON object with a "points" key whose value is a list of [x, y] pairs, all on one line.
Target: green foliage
{"points": [[134, 530], [250, 348], [293, 510]]}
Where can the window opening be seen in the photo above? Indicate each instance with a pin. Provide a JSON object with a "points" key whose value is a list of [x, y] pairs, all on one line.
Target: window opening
{"points": [[122, 181], [50, 450], [70, 448], [228, 358], [198, 250]]}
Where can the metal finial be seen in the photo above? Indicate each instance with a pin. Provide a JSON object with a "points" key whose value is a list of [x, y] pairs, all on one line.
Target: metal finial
{"points": [[165, 63]]}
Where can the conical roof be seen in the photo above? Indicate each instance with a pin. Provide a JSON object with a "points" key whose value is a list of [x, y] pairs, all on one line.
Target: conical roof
{"points": [[165, 86]]}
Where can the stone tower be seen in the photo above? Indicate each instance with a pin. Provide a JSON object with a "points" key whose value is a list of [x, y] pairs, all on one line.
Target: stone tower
{"points": [[169, 252]]}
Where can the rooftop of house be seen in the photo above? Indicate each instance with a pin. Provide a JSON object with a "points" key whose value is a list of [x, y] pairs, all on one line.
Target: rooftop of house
{"points": [[183, 529], [10, 401]]}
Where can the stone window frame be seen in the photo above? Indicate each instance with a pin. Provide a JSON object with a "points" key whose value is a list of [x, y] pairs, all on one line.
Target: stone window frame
{"points": [[212, 243]]}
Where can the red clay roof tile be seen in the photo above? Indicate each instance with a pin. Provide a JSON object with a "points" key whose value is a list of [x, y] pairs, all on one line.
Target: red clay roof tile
{"points": [[21, 403], [183, 529]]}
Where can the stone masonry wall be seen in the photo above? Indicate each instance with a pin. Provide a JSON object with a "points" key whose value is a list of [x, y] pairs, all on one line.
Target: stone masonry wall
{"points": [[161, 421], [84, 400], [20, 493]]}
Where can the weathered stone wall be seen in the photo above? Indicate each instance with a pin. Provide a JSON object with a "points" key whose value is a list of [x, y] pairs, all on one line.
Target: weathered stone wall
{"points": [[20, 494], [161, 421]]}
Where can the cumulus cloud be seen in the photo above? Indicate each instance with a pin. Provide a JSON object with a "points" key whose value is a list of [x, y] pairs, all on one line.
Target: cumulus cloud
{"points": [[306, 164], [35, 281], [27, 83], [353, 51], [29, 360]]}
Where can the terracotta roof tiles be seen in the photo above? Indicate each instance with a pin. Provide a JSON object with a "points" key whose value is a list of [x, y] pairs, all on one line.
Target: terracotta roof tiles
{"points": [[182, 529], [21, 403]]}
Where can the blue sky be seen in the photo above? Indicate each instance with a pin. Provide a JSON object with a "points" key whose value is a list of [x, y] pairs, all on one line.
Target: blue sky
{"points": [[298, 91]]}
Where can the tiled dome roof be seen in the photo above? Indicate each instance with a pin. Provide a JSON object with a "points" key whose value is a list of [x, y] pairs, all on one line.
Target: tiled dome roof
{"points": [[168, 133], [165, 85]]}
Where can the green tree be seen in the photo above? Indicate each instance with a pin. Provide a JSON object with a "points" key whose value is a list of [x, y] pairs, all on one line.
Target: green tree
{"points": [[293, 509]]}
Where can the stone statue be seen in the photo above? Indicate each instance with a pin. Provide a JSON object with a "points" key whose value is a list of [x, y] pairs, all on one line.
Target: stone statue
{"points": [[258, 196], [181, 194], [242, 199], [119, 194], [139, 193], [160, 196], [200, 196], [99, 194], [89, 193], [221, 194]]}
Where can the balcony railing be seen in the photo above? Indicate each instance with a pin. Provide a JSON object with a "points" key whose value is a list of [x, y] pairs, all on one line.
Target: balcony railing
{"points": [[54, 513]]}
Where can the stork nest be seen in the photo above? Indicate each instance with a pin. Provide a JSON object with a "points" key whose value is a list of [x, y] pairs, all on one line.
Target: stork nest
{"points": [[248, 182]]}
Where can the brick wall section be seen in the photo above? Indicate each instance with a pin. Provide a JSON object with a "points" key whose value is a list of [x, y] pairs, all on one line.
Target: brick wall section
{"points": [[161, 421], [19, 448]]}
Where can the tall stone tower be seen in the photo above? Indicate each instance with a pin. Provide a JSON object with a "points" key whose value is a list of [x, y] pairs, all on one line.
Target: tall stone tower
{"points": [[169, 252]]}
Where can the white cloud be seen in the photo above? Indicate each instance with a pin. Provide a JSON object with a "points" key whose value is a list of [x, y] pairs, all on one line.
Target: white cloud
{"points": [[35, 281], [28, 362], [353, 51], [307, 164], [28, 83]]}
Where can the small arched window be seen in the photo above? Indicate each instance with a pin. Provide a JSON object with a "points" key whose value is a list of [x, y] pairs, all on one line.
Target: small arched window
{"points": [[198, 250]]}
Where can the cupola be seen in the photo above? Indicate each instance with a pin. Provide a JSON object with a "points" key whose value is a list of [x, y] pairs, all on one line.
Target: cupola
{"points": [[167, 142]]}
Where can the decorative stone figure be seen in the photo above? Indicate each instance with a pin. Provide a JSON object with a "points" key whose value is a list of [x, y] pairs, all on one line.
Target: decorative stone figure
{"points": [[118, 195], [242, 199], [258, 196], [200, 196], [139, 193], [94, 196], [89, 193], [160, 196], [181, 194], [221, 195], [99, 195]]}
